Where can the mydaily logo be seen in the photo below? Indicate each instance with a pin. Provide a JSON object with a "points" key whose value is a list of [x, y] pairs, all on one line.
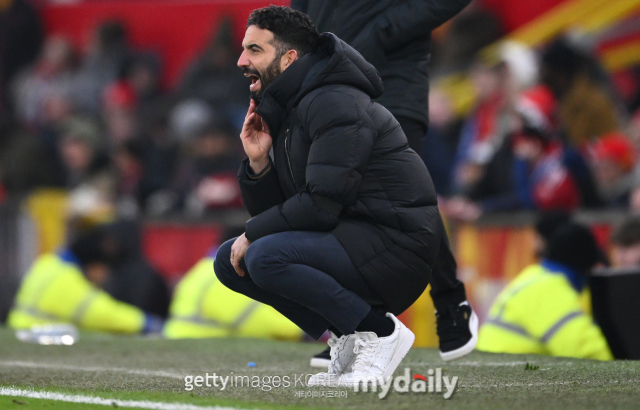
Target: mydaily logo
{"points": [[433, 382]]}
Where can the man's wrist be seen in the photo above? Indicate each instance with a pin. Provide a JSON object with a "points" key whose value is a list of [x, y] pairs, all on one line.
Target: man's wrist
{"points": [[257, 169], [259, 165]]}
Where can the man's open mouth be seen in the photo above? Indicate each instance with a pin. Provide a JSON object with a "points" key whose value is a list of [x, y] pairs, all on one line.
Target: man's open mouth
{"points": [[255, 81]]}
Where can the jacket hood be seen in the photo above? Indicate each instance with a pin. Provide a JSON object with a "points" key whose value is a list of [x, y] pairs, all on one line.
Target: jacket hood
{"points": [[342, 64], [333, 62]]}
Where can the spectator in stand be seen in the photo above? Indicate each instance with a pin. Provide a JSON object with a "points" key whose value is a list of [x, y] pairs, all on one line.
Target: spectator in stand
{"points": [[613, 161], [89, 176], [26, 163], [35, 88], [142, 73], [208, 178], [103, 64], [128, 160], [214, 77], [485, 131], [119, 109], [81, 150], [157, 150], [42, 102], [586, 109], [545, 174], [439, 149], [20, 41], [625, 244]]}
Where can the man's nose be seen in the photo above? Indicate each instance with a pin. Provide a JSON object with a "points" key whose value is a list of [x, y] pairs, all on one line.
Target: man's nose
{"points": [[243, 61]]}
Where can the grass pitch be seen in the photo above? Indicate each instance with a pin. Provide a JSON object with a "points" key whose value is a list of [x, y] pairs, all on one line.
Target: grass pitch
{"points": [[140, 369]]}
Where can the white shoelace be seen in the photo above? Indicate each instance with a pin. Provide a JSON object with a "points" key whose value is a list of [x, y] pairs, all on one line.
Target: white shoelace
{"points": [[365, 351]]}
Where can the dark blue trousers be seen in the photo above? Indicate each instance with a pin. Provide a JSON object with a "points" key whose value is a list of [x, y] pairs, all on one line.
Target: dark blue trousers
{"points": [[306, 276]]}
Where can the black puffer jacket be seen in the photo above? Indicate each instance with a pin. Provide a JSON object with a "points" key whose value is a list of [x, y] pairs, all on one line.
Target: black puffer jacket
{"points": [[394, 36], [342, 164]]}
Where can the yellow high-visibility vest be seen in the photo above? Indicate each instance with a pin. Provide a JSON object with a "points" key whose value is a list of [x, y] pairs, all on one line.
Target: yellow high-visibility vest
{"points": [[203, 307], [55, 291], [540, 312]]}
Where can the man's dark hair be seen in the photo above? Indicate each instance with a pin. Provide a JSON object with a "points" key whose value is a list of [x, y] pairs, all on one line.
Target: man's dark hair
{"points": [[627, 234], [292, 29], [88, 246], [574, 245], [548, 222]]}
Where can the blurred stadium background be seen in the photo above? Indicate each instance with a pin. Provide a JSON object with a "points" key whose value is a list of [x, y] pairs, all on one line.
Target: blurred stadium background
{"points": [[130, 109]]}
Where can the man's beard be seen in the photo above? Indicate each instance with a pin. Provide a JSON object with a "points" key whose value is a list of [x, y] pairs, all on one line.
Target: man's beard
{"points": [[266, 78]]}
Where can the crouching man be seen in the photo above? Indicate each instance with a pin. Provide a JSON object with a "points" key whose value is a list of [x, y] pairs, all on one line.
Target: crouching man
{"points": [[345, 228]]}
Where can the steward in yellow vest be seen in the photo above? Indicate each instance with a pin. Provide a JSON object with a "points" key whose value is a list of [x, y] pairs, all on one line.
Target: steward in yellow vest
{"points": [[540, 311], [57, 290], [203, 307]]}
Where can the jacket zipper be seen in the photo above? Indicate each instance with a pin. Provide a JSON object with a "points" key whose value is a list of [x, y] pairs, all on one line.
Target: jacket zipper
{"points": [[286, 151]]}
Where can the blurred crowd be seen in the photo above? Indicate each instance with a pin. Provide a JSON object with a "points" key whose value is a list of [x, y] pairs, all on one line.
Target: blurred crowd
{"points": [[99, 124], [548, 129]]}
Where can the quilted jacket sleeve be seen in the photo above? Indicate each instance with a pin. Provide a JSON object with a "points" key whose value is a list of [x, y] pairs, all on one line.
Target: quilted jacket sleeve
{"points": [[414, 19], [259, 194]]}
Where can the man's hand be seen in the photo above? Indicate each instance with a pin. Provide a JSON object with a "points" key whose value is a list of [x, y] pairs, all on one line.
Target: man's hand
{"points": [[238, 249], [256, 139]]}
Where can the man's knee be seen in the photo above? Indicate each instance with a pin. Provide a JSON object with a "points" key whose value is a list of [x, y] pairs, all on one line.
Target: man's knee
{"points": [[222, 265], [263, 258]]}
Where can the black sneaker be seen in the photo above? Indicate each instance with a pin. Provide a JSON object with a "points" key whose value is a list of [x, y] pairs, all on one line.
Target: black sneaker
{"points": [[322, 359], [457, 330]]}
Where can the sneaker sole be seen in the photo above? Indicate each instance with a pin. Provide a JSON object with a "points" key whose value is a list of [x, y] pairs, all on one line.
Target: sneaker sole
{"points": [[469, 346], [404, 345], [319, 362]]}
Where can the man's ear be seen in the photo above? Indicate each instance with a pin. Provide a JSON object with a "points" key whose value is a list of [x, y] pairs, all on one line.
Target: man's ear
{"points": [[288, 58]]}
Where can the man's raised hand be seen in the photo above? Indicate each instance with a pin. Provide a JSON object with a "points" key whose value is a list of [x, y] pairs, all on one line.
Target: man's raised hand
{"points": [[256, 139]]}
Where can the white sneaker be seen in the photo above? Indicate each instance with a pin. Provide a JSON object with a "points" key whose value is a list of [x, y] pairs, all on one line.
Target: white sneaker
{"points": [[342, 358], [378, 357]]}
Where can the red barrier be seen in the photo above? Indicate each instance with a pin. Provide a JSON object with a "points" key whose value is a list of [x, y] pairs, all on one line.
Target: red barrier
{"points": [[174, 249]]}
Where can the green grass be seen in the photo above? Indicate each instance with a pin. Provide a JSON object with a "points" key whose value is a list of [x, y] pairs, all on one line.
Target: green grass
{"points": [[135, 368]]}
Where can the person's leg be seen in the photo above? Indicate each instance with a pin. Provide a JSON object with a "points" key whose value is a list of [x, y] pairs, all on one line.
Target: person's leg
{"points": [[306, 276], [313, 270], [445, 286], [310, 322], [457, 324]]}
